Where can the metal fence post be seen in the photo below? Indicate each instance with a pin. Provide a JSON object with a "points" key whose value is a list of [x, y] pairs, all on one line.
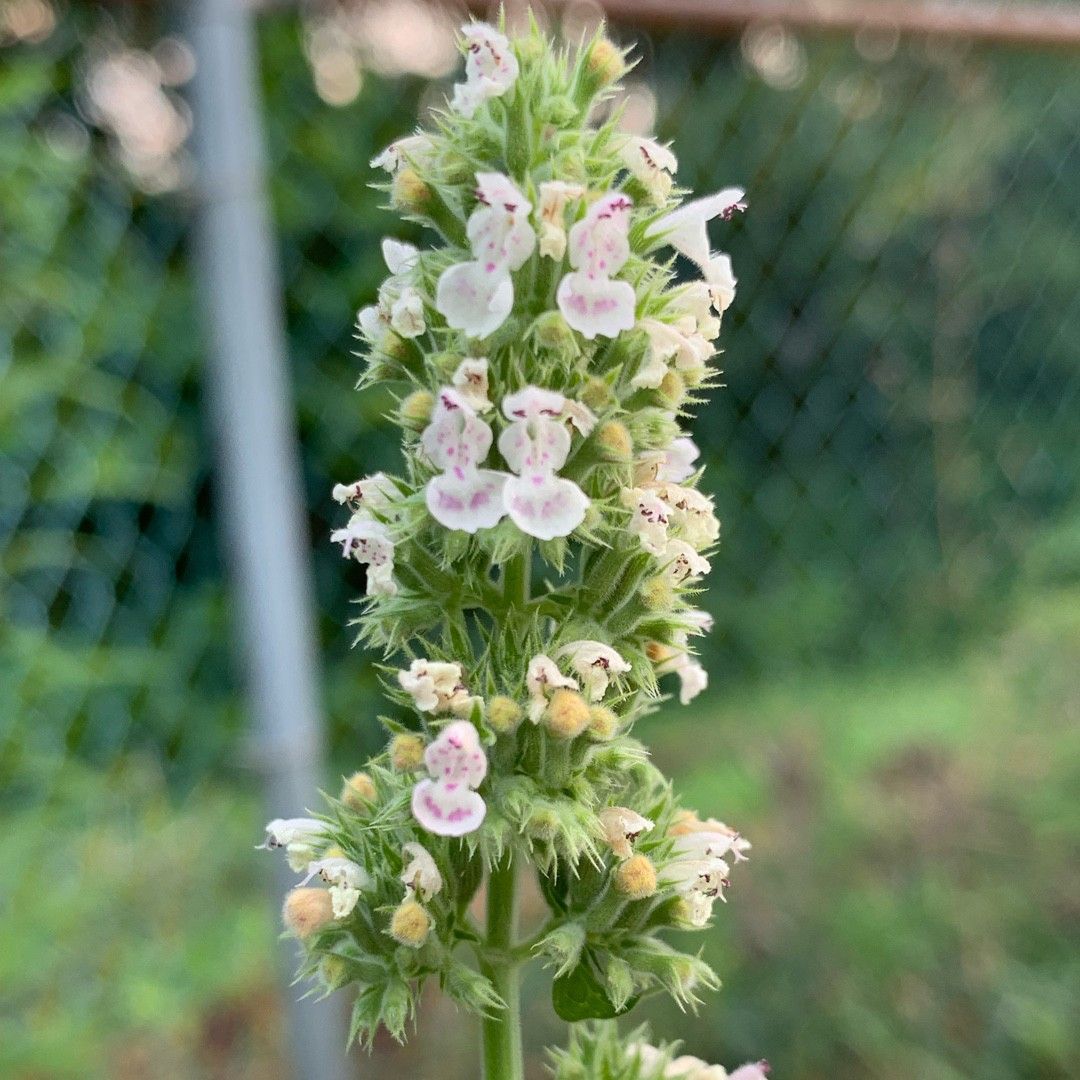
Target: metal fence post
{"points": [[259, 478]]}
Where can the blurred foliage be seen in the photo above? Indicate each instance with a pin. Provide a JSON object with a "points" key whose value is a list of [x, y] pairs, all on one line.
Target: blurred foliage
{"points": [[896, 460], [138, 943]]}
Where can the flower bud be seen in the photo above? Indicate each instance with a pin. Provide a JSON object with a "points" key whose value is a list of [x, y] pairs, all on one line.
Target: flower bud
{"points": [[307, 911], [415, 410], [552, 332], [410, 924], [603, 723], [334, 971], [636, 877], [543, 824], [657, 652], [567, 714], [672, 389], [408, 192], [656, 593], [615, 441], [358, 792], [606, 63], [406, 752], [597, 394], [503, 714]]}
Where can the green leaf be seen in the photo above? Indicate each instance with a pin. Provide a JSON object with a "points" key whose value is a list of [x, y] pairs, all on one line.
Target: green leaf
{"points": [[581, 995]]}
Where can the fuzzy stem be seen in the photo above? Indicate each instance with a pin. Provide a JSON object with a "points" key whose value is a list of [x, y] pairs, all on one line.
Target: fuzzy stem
{"points": [[502, 1030]]}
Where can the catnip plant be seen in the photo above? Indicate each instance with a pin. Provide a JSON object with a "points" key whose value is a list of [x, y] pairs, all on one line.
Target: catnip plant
{"points": [[532, 576]]}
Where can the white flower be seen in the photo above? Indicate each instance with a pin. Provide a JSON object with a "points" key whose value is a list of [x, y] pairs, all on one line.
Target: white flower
{"points": [[416, 148], [374, 493], [579, 416], [688, 1067], [420, 875], [407, 313], [700, 621], [490, 68], [752, 1070], [447, 803], [699, 839], [595, 664], [554, 195], [535, 445], [696, 302], [649, 518], [683, 561], [692, 517], [650, 163], [471, 380], [300, 837], [666, 342], [590, 301], [477, 296], [648, 1057], [436, 687], [693, 678], [369, 541], [462, 496], [345, 878], [542, 678], [372, 322], [400, 257], [678, 463], [622, 827], [720, 279], [699, 881], [685, 228]]}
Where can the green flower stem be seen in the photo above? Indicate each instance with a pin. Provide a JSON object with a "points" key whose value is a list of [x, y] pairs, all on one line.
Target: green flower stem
{"points": [[502, 1030]]}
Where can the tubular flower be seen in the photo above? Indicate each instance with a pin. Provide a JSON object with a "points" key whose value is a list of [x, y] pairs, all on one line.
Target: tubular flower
{"points": [[436, 687], [490, 68], [414, 148], [650, 163], [686, 229], [554, 197], [692, 516], [696, 301], [595, 664], [621, 828], [649, 518], [447, 804], [369, 542], [477, 296], [373, 493], [471, 382], [693, 678], [300, 837], [684, 562], [346, 880], [710, 838], [590, 301], [543, 679], [535, 444], [420, 875], [689, 351], [463, 496]]}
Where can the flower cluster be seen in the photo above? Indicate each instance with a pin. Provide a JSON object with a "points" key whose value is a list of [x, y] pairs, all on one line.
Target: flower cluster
{"points": [[532, 568]]}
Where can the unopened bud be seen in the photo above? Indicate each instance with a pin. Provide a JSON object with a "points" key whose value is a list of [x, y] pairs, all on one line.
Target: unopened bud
{"points": [[503, 714], [307, 911], [553, 332], [606, 63], [673, 389], [656, 593], [603, 723], [408, 192], [406, 752], [415, 410], [597, 394], [543, 824], [636, 877], [567, 714], [410, 924], [613, 438], [334, 971], [358, 792]]}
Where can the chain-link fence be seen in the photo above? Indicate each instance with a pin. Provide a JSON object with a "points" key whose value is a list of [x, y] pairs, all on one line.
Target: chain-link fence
{"points": [[895, 459]]}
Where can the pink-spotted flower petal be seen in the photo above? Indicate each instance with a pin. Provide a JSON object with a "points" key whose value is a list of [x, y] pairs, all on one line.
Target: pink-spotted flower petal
{"points": [[466, 499], [545, 505], [447, 809], [457, 756], [473, 299], [456, 438], [598, 244], [596, 307]]}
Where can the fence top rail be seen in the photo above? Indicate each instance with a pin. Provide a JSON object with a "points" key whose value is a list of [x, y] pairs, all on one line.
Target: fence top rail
{"points": [[1035, 23]]}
